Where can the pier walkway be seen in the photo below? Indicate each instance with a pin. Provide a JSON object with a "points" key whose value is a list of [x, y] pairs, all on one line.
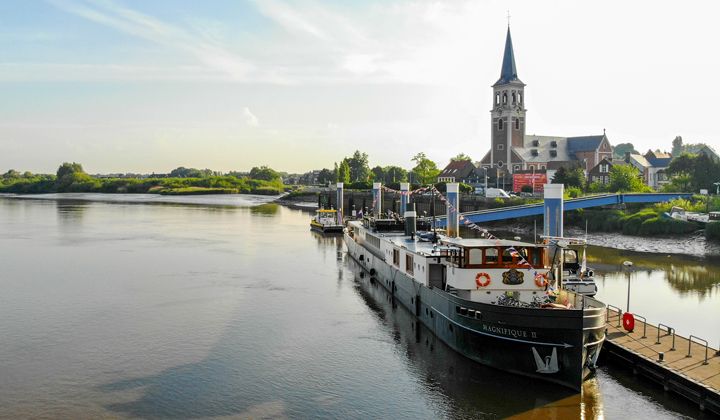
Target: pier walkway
{"points": [[661, 355], [571, 204]]}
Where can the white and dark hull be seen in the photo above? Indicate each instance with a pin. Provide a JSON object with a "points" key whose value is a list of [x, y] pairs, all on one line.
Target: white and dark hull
{"points": [[559, 346]]}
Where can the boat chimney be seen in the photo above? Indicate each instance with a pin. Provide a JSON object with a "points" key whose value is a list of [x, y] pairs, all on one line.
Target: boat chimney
{"points": [[453, 207], [410, 220], [553, 211], [404, 197], [377, 199], [340, 203]]}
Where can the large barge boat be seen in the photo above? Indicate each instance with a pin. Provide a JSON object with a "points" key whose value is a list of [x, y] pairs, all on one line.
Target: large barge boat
{"points": [[490, 300]]}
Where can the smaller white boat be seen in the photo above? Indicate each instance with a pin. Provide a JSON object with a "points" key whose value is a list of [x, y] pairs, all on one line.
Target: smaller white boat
{"points": [[577, 277], [326, 221]]}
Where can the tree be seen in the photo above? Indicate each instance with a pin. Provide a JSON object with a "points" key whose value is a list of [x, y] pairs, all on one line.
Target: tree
{"points": [[359, 168], [425, 170], [570, 177], [325, 176], [264, 173], [626, 178], [461, 157], [621, 149], [343, 172], [68, 169], [183, 172], [394, 174], [678, 147], [377, 174]]}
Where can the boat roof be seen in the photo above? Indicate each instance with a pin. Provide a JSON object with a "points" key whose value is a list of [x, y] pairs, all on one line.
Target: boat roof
{"points": [[480, 242]]}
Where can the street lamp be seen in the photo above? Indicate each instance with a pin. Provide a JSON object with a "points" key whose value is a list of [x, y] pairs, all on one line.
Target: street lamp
{"points": [[628, 265]]}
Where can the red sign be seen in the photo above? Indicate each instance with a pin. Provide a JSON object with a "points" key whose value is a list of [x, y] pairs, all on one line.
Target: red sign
{"points": [[536, 180]]}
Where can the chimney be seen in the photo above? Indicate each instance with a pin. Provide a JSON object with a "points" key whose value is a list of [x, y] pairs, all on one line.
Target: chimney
{"points": [[410, 220]]}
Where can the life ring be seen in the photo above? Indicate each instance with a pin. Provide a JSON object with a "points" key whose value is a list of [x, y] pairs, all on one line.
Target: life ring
{"points": [[541, 280], [628, 322], [479, 280]]}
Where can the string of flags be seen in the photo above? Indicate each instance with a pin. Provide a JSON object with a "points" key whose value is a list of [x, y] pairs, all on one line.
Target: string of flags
{"points": [[483, 231]]}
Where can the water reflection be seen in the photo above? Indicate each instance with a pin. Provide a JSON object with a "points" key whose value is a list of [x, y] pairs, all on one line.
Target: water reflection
{"points": [[269, 209], [70, 211], [461, 388], [684, 273]]}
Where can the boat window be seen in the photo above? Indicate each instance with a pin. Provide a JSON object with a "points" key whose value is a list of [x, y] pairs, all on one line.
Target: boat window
{"points": [[491, 256], [409, 264], [396, 257], [535, 259], [507, 256], [571, 256], [474, 256]]}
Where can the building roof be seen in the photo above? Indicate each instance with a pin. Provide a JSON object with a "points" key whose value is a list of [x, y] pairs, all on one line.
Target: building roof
{"points": [[660, 162], [543, 149], [508, 73], [584, 143], [459, 169], [639, 160]]}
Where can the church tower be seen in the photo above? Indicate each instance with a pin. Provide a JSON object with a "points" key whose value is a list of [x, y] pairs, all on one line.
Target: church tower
{"points": [[508, 113]]}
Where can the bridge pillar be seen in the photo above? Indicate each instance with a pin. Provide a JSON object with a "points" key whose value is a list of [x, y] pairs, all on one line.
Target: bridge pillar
{"points": [[377, 198], [453, 209], [404, 196], [340, 203], [553, 210]]}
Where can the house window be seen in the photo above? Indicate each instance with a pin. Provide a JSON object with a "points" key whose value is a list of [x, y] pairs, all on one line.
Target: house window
{"points": [[396, 257], [501, 146], [542, 168], [500, 124], [409, 264], [517, 167]]}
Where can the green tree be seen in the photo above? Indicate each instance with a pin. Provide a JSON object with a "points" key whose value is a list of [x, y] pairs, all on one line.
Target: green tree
{"points": [[626, 178], [461, 157], [325, 176], [343, 172], [425, 170], [621, 149], [570, 177], [11, 174], [394, 174], [359, 168], [677, 146], [68, 169], [378, 174], [264, 173], [183, 172]]}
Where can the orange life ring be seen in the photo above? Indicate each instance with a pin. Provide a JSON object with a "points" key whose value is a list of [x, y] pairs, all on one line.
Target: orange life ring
{"points": [[479, 280], [541, 280]]}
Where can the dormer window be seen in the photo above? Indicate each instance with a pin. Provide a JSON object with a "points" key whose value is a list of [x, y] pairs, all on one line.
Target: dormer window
{"points": [[553, 153], [534, 152], [536, 143], [553, 143]]}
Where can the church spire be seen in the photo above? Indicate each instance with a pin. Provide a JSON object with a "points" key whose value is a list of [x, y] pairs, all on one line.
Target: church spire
{"points": [[509, 71]]}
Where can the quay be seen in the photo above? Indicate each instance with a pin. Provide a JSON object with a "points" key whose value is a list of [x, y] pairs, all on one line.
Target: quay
{"points": [[686, 366]]}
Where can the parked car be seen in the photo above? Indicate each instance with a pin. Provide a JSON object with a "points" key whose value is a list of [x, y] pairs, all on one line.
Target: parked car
{"points": [[496, 193]]}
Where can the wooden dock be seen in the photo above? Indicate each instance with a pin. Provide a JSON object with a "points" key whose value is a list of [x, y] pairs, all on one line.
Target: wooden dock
{"points": [[656, 352]]}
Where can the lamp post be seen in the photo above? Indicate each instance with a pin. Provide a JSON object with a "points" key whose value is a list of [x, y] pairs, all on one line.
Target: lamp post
{"points": [[628, 265]]}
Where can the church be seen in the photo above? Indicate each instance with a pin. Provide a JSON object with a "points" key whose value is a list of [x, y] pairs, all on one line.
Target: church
{"points": [[514, 153]]}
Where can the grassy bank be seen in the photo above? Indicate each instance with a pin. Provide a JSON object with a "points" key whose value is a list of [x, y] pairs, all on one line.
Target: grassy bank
{"points": [[42, 184], [643, 220]]}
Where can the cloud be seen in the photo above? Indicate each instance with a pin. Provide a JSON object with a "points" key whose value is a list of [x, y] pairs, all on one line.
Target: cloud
{"points": [[249, 118], [131, 22]]}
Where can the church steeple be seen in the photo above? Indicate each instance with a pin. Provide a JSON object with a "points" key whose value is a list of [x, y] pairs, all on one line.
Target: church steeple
{"points": [[509, 71]]}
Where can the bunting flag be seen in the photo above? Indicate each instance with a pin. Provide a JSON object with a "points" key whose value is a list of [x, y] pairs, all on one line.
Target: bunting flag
{"points": [[483, 232]]}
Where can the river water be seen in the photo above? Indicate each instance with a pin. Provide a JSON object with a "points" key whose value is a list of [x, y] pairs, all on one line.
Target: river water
{"points": [[227, 307]]}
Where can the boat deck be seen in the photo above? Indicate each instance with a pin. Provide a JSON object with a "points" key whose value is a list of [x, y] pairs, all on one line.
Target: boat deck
{"points": [[695, 376]]}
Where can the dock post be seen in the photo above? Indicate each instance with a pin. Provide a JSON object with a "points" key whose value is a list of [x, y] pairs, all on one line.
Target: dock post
{"points": [[553, 211], [377, 198], [340, 203], [453, 209], [404, 196]]}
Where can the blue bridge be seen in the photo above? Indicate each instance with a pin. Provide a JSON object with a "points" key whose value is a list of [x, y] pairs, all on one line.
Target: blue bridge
{"points": [[572, 204]]}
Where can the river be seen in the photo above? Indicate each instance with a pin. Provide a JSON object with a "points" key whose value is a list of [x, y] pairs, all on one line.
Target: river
{"points": [[231, 307]]}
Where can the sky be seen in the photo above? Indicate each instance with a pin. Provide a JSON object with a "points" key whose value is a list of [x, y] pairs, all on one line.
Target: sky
{"points": [[150, 85]]}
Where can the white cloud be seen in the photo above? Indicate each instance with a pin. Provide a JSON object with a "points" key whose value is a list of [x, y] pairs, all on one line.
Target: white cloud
{"points": [[249, 118]]}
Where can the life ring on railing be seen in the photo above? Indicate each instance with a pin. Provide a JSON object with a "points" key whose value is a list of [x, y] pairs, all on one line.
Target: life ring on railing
{"points": [[541, 280], [628, 321], [479, 280]]}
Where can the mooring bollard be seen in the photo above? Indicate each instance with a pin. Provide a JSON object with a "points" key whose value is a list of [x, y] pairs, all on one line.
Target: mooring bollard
{"points": [[661, 357]]}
